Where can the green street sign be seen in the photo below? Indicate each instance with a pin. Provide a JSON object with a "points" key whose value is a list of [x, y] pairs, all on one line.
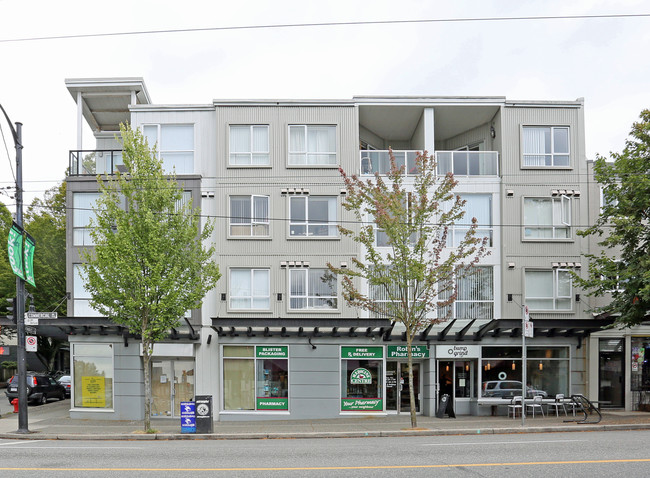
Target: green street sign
{"points": [[362, 404], [30, 245], [15, 250], [266, 403], [264, 351], [362, 352], [401, 351]]}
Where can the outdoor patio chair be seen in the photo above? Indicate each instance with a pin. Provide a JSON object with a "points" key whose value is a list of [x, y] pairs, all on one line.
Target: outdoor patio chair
{"points": [[536, 404], [559, 402], [515, 404]]}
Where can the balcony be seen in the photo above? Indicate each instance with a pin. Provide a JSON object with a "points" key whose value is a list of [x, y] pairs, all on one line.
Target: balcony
{"points": [[460, 163], [468, 163], [93, 162]]}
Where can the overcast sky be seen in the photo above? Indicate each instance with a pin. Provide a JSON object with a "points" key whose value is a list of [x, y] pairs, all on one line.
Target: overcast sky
{"points": [[605, 61]]}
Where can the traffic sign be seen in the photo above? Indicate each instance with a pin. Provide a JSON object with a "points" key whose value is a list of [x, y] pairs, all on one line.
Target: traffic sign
{"points": [[41, 315], [30, 321], [529, 331], [31, 343]]}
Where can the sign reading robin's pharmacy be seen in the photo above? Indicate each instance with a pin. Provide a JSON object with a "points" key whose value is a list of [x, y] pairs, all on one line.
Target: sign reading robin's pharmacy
{"points": [[362, 352], [401, 351]]}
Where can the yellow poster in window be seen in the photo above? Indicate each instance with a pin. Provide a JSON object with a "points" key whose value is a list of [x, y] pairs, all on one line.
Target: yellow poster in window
{"points": [[93, 392]]}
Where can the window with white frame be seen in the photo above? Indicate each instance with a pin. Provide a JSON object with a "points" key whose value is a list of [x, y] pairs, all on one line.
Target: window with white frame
{"points": [[175, 145], [313, 216], [547, 218], [250, 289], [83, 210], [92, 375], [546, 146], [474, 295], [249, 216], [249, 145], [81, 296], [548, 289], [477, 206], [312, 145], [314, 289]]}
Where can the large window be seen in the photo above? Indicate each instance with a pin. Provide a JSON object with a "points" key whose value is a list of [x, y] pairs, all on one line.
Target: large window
{"points": [[249, 215], [548, 289], [312, 289], [312, 145], [546, 146], [361, 379], [83, 210], [250, 289], [474, 295], [547, 218], [81, 296], [175, 145], [92, 375], [313, 216], [255, 377], [477, 206], [249, 145]]}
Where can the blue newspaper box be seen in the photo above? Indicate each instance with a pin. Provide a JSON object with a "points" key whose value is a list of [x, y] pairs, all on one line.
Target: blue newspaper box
{"points": [[188, 417]]}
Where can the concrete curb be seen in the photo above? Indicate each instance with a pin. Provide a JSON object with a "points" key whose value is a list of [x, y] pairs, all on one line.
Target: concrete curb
{"points": [[303, 435]]}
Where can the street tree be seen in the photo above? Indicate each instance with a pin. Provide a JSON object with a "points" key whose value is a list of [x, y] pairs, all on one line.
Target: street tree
{"points": [[622, 267], [410, 272], [150, 263]]}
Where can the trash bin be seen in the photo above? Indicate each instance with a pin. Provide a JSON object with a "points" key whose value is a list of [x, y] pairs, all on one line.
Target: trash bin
{"points": [[204, 423]]}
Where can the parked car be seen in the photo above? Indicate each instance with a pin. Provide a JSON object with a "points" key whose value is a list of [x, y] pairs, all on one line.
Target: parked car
{"points": [[508, 389], [66, 381], [40, 388]]}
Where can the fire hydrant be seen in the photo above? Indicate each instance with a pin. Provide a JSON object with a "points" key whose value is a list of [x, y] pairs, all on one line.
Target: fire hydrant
{"points": [[14, 402]]}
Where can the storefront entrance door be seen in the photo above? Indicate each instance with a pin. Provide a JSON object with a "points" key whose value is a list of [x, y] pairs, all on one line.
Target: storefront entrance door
{"points": [[397, 387], [172, 382], [458, 380], [611, 373]]}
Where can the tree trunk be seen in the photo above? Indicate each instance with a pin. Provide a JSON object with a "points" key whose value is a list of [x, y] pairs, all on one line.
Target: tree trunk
{"points": [[409, 353], [147, 386]]}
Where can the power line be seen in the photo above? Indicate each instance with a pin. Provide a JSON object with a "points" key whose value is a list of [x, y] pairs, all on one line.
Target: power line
{"points": [[329, 24]]}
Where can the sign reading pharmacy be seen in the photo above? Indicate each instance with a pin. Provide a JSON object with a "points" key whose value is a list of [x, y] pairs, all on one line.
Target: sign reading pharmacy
{"points": [[272, 403], [401, 351], [362, 352]]}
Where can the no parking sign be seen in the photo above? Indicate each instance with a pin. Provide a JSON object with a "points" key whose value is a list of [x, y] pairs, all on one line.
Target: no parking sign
{"points": [[31, 343]]}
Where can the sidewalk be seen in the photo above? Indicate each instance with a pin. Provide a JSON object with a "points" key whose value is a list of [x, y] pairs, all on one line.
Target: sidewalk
{"points": [[45, 426]]}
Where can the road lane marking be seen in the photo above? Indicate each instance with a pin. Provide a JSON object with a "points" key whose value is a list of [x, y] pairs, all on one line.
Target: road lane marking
{"points": [[501, 442], [20, 442], [320, 468]]}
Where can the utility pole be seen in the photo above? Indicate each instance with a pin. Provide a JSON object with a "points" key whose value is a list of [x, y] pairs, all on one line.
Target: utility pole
{"points": [[20, 284]]}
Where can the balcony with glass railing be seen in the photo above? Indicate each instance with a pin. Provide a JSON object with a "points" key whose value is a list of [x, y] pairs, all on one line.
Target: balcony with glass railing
{"points": [[460, 163], [95, 161], [468, 163]]}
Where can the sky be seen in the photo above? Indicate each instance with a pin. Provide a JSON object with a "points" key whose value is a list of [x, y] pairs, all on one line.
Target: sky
{"points": [[605, 60]]}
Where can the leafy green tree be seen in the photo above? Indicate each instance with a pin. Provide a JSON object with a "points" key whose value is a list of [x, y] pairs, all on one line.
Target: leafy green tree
{"points": [[149, 265], [622, 267], [417, 276]]}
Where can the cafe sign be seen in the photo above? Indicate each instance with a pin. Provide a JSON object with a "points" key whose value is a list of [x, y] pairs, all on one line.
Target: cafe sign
{"points": [[401, 351], [362, 352], [459, 352]]}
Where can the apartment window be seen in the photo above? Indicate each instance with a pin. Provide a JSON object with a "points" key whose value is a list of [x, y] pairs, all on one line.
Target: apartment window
{"points": [[313, 216], [249, 145], [477, 206], [92, 372], [546, 146], [249, 216], [312, 289], [312, 145], [250, 289], [548, 289], [81, 296], [474, 295], [256, 377], [83, 210], [175, 145], [547, 218]]}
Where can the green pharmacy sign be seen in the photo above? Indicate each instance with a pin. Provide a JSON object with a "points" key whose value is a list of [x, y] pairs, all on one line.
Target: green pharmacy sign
{"points": [[21, 259], [362, 404], [266, 403], [362, 352], [263, 351], [401, 351], [361, 376]]}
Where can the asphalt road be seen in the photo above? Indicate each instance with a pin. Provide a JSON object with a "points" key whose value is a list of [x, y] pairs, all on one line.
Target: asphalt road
{"points": [[588, 454]]}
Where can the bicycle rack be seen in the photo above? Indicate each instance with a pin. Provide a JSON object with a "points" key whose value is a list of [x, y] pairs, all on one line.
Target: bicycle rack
{"points": [[584, 405]]}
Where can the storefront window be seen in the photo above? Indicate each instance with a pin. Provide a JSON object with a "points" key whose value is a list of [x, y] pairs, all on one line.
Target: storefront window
{"points": [[93, 375], [256, 378], [361, 378], [547, 371], [640, 373]]}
